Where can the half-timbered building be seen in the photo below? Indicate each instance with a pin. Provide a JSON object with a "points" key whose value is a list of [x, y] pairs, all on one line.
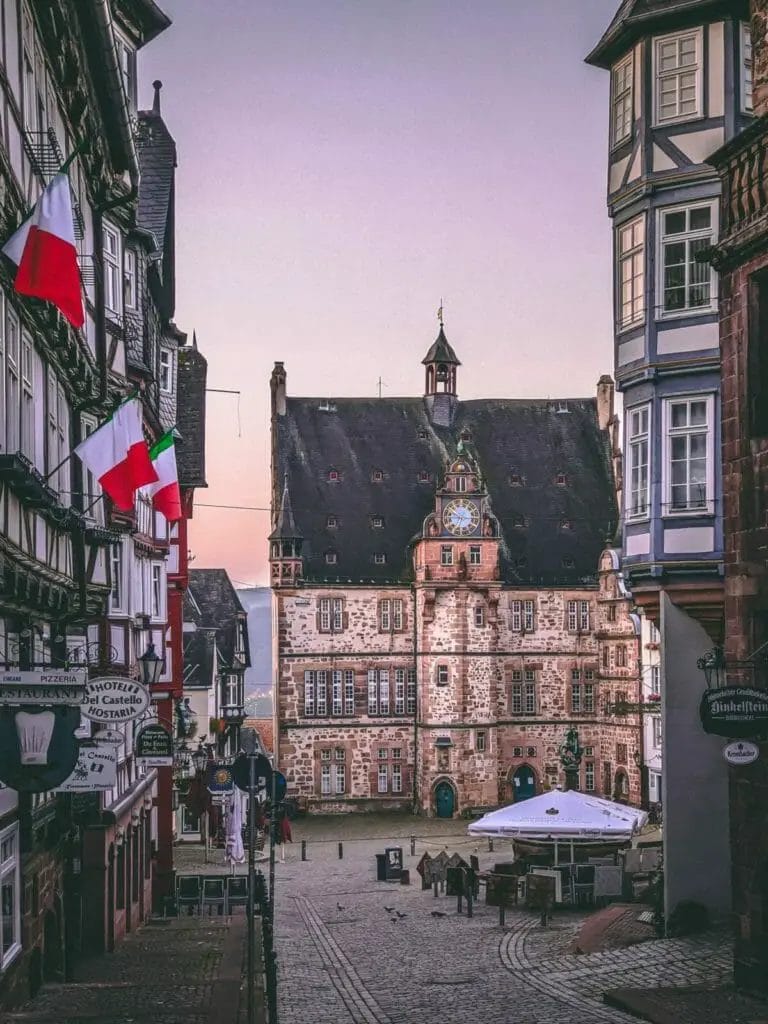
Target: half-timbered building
{"points": [[444, 608]]}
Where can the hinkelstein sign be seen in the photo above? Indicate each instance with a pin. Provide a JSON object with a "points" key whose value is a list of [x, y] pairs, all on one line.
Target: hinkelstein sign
{"points": [[737, 712], [114, 699]]}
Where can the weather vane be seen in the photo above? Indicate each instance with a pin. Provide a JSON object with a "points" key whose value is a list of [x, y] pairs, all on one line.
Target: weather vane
{"points": [[440, 313]]}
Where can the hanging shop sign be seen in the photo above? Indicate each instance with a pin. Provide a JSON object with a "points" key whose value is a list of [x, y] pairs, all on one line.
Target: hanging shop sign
{"points": [[95, 771], [741, 752], [114, 699], [281, 786], [47, 686], [104, 734], [38, 746], [153, 746], [737, 712], [220, 779]]}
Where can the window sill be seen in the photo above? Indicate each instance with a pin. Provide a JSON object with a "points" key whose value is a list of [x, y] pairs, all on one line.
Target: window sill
{"points": [[633, 326], [657, 124], [638, 520], [622, 143], [685, 314], [689, 513]]}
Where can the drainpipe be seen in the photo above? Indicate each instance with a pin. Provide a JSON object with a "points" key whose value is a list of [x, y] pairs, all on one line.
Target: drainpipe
{"points": [[416, 710]]}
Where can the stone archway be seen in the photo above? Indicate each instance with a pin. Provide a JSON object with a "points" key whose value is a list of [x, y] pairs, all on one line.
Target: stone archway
{"points": [[523, 783], [621, 787], [444, 798]]}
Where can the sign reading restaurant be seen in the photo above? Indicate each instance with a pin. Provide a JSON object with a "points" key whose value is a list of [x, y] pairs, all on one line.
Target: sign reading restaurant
{"points": [[734, 711], [114, 699], [46, 686]]}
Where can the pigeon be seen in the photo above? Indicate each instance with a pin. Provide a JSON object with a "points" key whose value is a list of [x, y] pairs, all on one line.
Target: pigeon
{"points": [[393, 920], [339, 906], [390, 910], [400, 915], [438, 913]]}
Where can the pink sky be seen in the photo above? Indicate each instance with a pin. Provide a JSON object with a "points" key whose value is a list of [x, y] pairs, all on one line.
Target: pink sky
{"points": [[344, 164]]}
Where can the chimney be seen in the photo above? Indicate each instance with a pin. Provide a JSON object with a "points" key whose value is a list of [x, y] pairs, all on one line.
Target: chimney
{"points": [[277, 386], [605, 392], [758, 28]]}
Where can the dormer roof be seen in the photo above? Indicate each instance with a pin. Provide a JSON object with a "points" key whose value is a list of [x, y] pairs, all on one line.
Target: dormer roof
{"points": [[636, 18], [441, 351]]}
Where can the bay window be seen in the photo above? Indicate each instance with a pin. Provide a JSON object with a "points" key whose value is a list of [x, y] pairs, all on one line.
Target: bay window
{"points": [[688, 464], [746, 69], [631, 272], [638, 458], [686, 283]]}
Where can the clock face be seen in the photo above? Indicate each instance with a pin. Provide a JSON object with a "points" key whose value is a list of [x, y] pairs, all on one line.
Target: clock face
{"points": [[461, 517]]}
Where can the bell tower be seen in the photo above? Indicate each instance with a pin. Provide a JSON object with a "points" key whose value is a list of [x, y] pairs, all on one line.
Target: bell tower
{"points": [[441, 364], [285, 546]]}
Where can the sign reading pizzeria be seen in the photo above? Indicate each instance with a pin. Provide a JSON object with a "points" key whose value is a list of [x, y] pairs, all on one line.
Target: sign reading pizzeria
{"points": [[737, 712], [114, 699], [50, 686], [154, 746]]}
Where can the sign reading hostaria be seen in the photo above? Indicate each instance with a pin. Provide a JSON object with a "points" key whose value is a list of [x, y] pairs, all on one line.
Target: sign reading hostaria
{"points": [[47, 686], [114, 699]]}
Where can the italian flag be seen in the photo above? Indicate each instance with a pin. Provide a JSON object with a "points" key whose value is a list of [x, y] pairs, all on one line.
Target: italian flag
{"points": [[165, 490], [118, 456], [43, 249]]}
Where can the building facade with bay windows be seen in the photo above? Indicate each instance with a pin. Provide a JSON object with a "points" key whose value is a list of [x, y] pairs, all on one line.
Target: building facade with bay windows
{"points": [[681, 87], [444, 608]]}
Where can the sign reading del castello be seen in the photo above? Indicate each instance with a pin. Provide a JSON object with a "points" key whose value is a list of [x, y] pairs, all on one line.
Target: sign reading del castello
{"points": [[445, 609], [114, 699]]}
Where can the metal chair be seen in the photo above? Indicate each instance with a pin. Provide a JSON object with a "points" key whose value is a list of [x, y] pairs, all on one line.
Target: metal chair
{"points": [[188, 892], [213, 895], [237, 891]]}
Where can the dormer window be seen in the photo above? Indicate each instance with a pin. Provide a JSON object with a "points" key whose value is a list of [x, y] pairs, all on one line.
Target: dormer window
{"points": [[377, 476], [332, 522], [166, 371], [515, 480], [423, 435], [520, 522], [424, 476], [380, 558], [568, 563], [466, 435], [566, 524], [331, 558], [560, 480], [377, 522], [333, 476], [520, 563]]}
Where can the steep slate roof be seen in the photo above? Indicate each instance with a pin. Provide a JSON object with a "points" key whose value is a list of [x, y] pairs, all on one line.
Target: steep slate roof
{"points": [[637, 17], [198, 658], [395, 436], [220, 608]]}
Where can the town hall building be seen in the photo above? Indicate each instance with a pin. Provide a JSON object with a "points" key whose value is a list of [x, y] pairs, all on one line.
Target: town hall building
{"points": [[446, 608]]}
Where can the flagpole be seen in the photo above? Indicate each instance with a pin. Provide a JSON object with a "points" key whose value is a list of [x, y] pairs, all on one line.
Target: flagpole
{"points": [[57, 468]]}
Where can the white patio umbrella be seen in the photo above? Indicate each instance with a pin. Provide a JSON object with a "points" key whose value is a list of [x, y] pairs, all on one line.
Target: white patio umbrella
{"points": [[562, 817], [234, 852]]}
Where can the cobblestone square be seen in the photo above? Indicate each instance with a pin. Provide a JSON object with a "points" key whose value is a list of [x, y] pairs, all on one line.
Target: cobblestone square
{"points": [[352, 949]]}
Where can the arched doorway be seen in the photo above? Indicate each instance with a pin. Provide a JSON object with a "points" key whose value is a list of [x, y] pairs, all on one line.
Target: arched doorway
{"points": [[523, 783], [445, 800]]}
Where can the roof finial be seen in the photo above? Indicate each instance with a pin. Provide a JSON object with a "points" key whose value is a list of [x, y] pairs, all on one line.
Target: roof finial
{"points": [[440, 313], [157, 85], [194, 340]]}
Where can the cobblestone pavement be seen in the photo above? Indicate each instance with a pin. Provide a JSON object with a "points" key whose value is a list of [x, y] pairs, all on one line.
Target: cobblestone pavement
{"points": [[185, 971], [351, 949]]}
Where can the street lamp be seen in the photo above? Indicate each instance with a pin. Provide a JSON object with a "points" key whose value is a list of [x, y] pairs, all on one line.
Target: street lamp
{"points": [[637, 758], [150, 665], [712, 664]]}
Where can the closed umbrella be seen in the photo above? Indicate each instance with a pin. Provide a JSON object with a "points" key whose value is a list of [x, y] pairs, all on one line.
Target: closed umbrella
{"points": [[234, 852]]}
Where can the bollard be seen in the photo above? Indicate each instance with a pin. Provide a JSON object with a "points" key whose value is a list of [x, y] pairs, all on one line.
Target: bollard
{"points": [[502, 915], [490, 845], [413, 846], [469, 901], [303, 849], [435, 887], [458, 897], [442, 886], [341, 851]]}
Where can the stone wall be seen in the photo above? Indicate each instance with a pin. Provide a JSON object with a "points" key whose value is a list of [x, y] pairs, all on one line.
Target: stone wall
{"points": [[469, 728]]}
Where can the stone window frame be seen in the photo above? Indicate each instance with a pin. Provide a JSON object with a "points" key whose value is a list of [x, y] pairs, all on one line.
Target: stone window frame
{"points": [[446, 554], [621, 655], [578, 616], [481, 741], [475, 554], [442, 674], [622, 754], [332, 762], [387, 763], [479, 616], [522, 615], [590, 781], [331, 616], [523, 693], [392, 615]]}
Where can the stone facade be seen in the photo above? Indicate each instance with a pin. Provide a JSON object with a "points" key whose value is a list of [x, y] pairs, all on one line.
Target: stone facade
{"points": [[742, 259], [454, 693]]}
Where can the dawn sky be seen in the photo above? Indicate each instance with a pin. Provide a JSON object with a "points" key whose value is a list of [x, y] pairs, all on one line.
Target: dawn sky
{"points": [[344, 165]]}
